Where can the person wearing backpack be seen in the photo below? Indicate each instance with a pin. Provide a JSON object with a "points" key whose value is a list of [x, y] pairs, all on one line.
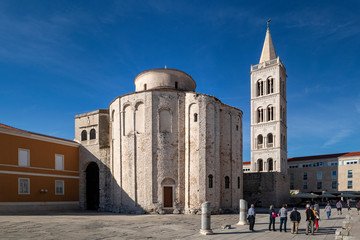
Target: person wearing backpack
{"points": [[272, 215], [310, 219], [295, 218]]}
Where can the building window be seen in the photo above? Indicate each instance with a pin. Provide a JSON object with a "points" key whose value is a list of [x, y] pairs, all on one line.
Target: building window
{"points": [[259, 141], [319, 185], [271, 164], [210, 177], [176, 85], [195, 117], [59, 162], [270, 140], [238, 182], [350, 173], [145, 86], [227, 182], [24, 186], [334, 185], [292, 186], [237, 127], [305, 185], [260, 88], [350, 185], [83, 135], [334, 174], [270, 85], [260, 115], [292, 177], [24, 157], [59, 187], [319, 175], [260, 165], [92, 134], [270, 113], [305, 176]]}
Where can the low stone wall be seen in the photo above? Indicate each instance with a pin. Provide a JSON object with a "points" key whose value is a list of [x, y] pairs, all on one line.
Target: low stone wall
{"points": [[266, 188]]}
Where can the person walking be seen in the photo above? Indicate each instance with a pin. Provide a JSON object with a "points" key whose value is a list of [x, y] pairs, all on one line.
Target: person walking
{"points": [[328, 210], [317, 218], [358, 206], [272, 215], [295, 218], [310, 219], [283, 217], [251, 217], [348, 205], [339, 207]]}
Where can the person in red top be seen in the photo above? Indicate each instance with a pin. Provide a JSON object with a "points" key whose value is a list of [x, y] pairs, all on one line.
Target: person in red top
{"points": [[310, 219]]}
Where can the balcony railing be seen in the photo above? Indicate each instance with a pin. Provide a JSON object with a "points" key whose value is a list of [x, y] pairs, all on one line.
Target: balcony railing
{"points": [[259, 146], [270, 145], [264, 64]]}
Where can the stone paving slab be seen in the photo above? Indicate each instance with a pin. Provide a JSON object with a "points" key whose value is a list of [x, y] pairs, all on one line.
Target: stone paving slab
{"points": [[94, 225]]}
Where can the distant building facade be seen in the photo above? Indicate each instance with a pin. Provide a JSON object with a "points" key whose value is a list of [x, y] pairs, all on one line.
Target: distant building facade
{"points": [[334, 173], [162, 148], [37, 172]]}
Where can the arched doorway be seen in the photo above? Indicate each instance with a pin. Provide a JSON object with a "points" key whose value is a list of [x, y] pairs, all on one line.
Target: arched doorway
{"points": [[92, 186]]}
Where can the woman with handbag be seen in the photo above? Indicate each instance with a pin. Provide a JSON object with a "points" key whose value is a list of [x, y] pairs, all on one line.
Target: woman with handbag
{"points": [[272, 215]]}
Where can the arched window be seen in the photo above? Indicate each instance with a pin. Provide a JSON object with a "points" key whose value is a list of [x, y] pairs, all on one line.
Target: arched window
{"points": [[260, 141], [260, 115], [238, 182], [270, 140], [259, 88], [271, 164], [210, 177], [260, 165], [195, 117], [270, 85], [227, 182], [270, 113], [83, 135], [145, 86], [92, 134]]}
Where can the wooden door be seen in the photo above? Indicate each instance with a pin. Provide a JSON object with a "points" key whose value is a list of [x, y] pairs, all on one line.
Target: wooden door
{"points": [[168, 196]]}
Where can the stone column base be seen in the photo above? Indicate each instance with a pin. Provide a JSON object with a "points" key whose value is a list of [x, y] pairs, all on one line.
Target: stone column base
{"points": [[206, 232]]}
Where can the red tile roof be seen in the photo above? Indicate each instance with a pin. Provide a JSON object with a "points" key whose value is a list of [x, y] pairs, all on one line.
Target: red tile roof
{"points": [[246, 163], [316, 157], [23, 131], [351, 154]]}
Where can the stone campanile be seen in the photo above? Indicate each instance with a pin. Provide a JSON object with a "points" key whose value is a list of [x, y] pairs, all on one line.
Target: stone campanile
{"points": [[268, 111]]}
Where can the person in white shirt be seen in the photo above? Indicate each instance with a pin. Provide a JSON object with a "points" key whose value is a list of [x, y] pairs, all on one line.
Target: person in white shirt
{"points": [[251, 217]]}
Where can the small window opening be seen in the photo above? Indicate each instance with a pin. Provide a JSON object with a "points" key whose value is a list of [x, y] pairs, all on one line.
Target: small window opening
{"points": [[227, 182], [195, 117], [145, 86], [238, 182], [237, 127], [210, 181], [176, 85]]}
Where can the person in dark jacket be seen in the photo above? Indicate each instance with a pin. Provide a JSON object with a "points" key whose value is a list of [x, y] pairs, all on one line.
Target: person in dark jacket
{"points": [[295, 218], [310, 219], [272, 215]]}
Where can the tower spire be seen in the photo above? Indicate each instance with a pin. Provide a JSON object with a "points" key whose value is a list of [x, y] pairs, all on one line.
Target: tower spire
{"points": [[268, 51]]}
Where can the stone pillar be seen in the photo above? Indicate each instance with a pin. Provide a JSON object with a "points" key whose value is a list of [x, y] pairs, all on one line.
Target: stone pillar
{"points": [[205, 219], [243, 212]]}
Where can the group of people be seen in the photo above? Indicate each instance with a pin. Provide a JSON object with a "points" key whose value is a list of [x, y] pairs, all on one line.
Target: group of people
{"points": [[312, 214]]}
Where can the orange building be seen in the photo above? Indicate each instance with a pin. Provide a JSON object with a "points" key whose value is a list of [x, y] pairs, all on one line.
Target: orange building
{"points": [[37, 172]]}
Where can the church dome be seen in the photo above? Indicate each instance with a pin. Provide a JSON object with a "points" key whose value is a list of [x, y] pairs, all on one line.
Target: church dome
{"points": [[164, 78]]}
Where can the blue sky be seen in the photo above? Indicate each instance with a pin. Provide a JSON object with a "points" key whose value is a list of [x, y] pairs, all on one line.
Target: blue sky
{"points": [[62, 58]]}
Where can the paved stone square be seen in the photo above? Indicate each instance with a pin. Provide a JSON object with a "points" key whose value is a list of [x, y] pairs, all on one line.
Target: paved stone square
{"points": [[95, 225]]}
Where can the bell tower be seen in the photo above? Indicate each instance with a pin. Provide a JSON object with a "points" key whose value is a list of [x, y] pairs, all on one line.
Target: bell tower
{"points": [[268, 111]]}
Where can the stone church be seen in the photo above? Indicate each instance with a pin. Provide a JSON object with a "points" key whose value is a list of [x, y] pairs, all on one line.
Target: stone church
{"points": [[162, 148]]}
